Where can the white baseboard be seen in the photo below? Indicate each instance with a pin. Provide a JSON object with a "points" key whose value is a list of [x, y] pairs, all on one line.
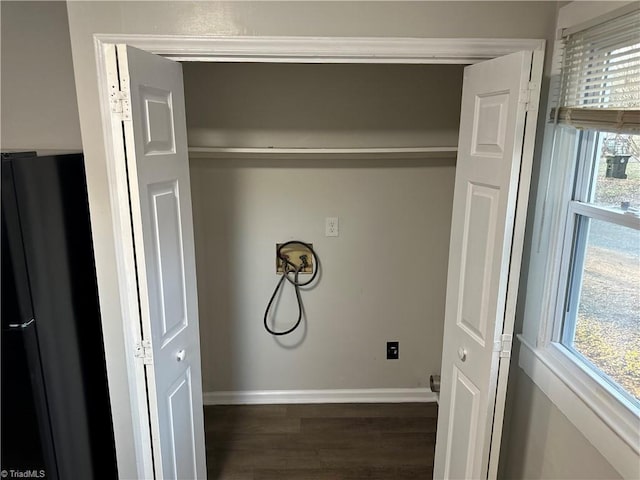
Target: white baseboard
{"points": [[367, 395]]}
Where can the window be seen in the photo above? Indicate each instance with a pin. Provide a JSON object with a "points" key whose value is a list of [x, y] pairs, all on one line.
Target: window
{"points": [[601, 318], [598, 310], [581, 328]]}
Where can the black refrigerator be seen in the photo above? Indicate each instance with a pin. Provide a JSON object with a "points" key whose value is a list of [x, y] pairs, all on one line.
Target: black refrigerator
{"points": [[56, 416]]}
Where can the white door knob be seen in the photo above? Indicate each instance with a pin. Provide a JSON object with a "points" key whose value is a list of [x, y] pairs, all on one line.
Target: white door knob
{"points": [[462, 354], [180, 355]]}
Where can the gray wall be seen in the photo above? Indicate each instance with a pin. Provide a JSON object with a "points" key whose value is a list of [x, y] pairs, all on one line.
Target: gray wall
{"points": [[382, 278], [421, 19], [320, 105], [543, 443], [39, 106]]}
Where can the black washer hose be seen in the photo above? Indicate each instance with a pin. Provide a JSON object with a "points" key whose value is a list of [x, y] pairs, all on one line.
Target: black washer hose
{"points": [[287, 268]]}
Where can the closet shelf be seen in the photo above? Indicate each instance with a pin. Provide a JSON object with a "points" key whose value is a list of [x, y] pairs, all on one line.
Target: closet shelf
{"points": [[370, 153]]}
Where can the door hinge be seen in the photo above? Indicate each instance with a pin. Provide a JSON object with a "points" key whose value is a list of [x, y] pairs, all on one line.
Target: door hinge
{"points": [[503, 346], [120, 104], [530, 96], [143, 351]]}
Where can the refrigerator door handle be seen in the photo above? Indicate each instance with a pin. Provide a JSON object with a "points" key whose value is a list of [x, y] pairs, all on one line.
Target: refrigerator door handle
{"points": [[21, 325]]}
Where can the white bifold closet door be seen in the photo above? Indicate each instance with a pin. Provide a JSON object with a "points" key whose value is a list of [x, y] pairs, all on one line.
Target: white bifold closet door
{"points": [[484, 261], [157, 162]]}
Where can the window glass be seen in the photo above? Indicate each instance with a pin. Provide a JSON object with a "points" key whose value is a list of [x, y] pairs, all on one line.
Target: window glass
{"points": [[607, 321], [617, 172]]}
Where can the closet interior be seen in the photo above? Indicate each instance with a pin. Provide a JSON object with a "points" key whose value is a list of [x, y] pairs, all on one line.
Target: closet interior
{"points": [[276, 149]]}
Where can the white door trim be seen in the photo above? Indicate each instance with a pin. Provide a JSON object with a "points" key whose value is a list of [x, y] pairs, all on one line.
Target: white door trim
{"points": [[324, 49], [289, 49]]}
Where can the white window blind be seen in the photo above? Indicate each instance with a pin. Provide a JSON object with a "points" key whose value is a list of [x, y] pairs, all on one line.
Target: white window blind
{"points": [[600, 84]]}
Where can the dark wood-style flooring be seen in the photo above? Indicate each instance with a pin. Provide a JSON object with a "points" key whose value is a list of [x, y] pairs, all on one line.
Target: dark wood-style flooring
{"points": [[321, 442]]}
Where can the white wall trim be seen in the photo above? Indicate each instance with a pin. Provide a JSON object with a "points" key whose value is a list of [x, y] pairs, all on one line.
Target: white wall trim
{"points": [[616, 438], [366, 395], [324, 49]]}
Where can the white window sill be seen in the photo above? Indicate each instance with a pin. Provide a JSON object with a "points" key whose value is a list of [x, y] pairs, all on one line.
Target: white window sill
{"points": [[609, 423]]}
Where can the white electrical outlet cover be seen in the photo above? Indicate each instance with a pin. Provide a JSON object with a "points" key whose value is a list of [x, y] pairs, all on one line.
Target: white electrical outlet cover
{"points": [[331, 227]]}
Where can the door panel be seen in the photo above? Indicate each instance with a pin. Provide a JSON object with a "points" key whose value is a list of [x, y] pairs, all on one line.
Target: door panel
{"points": [[489, 124], [158, 171], [493, 119], [181, 440], [157, 118], [168, 259], [477, 251], [465, 399]]}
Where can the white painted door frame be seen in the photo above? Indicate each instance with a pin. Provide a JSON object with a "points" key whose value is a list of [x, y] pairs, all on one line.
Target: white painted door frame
{"points": [[289, 49]]}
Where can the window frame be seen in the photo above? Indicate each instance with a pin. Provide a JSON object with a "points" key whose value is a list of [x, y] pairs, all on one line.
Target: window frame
{"points": [[607, 420], [566, 279], [573, 252]]}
